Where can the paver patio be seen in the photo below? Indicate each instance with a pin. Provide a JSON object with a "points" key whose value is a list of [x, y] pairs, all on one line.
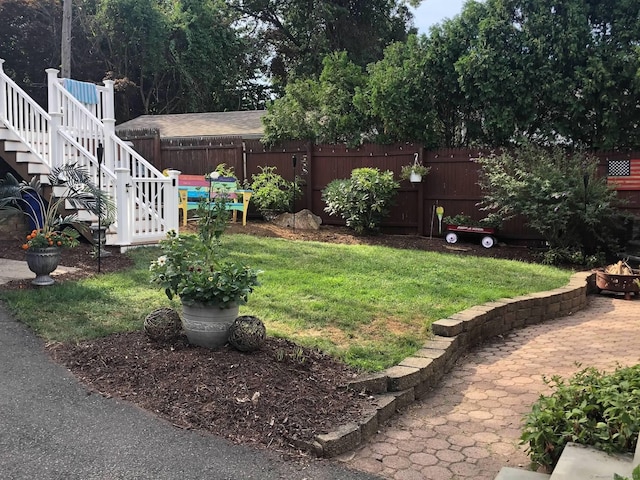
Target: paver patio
{"points": [[469, 426]]}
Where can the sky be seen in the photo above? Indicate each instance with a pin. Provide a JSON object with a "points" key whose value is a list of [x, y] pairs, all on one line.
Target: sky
{"points": [[431, 12]]}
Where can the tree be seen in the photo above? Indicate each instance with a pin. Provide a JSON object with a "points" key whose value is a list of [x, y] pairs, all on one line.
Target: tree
{"points": [[25, 26], [132, 37], [558, 71], [208, 55], [173, 57], [65, 43], [319, 110], [301, 33], [457, 122], [397, 94]]}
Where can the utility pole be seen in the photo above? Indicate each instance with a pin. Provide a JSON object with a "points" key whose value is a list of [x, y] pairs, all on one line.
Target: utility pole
{"points": [[65, 46]]}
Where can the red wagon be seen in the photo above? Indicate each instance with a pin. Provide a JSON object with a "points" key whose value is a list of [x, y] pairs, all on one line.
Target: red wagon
{"points": [[488, 234]]}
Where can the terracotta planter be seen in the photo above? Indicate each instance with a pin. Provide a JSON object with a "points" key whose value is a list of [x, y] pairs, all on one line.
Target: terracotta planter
{"points": [[208, 325], [43, 261]]}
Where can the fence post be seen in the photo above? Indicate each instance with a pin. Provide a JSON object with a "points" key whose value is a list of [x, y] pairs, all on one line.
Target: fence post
{"points": [[421, 209], [125, 205], [109, 122], [309, 178], [3, 93], [171, 212], [56, 153]]}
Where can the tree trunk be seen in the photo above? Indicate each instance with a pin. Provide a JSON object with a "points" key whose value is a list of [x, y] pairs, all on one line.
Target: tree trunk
{"points": [[65, 46]]}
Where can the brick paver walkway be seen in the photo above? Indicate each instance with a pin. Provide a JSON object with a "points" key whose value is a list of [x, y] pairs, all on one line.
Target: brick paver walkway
{"points": [[468, 427]]}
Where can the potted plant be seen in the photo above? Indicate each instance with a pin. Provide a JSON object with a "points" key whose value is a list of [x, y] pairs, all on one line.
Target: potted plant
{"points": [[211, 287], [414, 171], [50, 231], [272, 194]]}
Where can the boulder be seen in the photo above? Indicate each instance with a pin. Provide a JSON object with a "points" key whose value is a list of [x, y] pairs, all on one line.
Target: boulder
{"points": [[303, 220]]}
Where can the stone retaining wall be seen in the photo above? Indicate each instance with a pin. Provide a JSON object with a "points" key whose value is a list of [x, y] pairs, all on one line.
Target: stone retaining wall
{"points": [[397, 387]]}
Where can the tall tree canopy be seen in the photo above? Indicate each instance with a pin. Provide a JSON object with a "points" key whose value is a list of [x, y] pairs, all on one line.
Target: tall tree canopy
{"points": [[300, 33], [558, 70], [172, 56], [553, 71]]}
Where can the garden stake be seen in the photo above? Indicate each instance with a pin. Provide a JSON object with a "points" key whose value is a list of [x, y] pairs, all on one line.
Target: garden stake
{"points": [[99, 152], [433, 212]]}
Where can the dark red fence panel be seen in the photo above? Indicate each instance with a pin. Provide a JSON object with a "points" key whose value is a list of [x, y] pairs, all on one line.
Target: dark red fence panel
{"points": [[452, 182]]}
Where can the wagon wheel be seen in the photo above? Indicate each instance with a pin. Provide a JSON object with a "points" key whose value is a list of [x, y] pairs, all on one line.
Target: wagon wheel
{"points": [[451, 237], [488, 241]]}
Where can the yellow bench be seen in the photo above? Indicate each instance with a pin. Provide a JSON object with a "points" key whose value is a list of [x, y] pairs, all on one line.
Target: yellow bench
{"points": [[193, 188]]}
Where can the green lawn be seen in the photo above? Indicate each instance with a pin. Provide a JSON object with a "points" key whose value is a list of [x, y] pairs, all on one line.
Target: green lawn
{"points": [[370, 306]]}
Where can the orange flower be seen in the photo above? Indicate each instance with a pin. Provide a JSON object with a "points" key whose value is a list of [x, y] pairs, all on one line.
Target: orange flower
{"points": [[25, 246]]}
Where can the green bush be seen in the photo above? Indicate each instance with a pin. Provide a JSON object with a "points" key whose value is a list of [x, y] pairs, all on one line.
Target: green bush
{"points": [[635, 473], [559, 194], [592, 408], [363, 200], [272, 194]]}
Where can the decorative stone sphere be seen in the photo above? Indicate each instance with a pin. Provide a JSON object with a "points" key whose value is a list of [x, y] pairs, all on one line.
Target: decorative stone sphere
{"points": [[247, 333], [162, 324]]}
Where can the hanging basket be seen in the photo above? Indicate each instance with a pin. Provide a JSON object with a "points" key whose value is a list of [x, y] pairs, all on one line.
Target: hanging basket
{"points": [[415, 177]]}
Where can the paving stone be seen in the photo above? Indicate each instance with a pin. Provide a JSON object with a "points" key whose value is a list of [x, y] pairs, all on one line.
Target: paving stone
{"points": [[408, 474], [436, 472], [396, 462], [423, 459], [449, 455]]}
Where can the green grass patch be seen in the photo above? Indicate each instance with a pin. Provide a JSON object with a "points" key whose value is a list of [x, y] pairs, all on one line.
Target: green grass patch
{"points": [[368, 305]]}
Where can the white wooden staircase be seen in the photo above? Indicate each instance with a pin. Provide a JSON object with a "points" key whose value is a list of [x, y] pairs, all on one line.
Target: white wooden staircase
{"points": [[34, 140]]}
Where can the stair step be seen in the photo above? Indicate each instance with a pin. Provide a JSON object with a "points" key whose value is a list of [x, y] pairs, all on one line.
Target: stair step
{"points": [[6, 134], [38, 169], [588, 463], [509, 473], [25, 157], [15, 146]]}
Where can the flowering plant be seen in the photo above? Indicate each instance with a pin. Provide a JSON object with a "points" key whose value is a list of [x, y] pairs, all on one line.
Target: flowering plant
{"points": [[41, 239], [193, 268], [49, 227]]}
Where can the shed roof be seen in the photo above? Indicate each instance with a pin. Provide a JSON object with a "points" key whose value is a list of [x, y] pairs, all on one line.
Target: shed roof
{"points": [[245, 124]]}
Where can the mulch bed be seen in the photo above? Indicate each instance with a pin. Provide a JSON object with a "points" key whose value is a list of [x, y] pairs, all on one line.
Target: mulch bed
{"points": [[276, 397]]}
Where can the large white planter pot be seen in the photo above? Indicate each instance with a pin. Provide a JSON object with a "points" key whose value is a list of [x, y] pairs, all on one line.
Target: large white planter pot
{"points": [[208, 325], [415, 177]]}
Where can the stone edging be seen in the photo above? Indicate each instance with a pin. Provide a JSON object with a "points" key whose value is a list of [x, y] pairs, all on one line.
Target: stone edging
{"points": [[397, 387]]}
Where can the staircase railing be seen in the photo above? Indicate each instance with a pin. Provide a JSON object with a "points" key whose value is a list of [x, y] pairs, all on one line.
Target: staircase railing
{"points": [[146, 200], [24, 117]]}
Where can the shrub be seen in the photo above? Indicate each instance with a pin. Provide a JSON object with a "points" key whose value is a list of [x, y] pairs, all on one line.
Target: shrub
{"points": [[363, 200], [635, 475], [272, 194], [592, 408], [559, 195]]}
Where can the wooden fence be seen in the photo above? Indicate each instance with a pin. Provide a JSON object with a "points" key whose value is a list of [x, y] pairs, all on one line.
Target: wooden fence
{"points": [[452, 182]]}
